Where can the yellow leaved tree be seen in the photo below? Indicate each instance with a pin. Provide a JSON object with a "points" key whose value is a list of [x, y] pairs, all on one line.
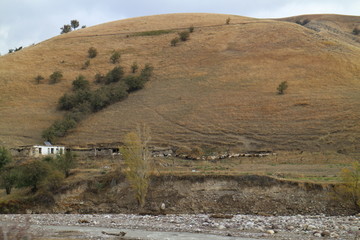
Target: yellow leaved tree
{"points": [[138, 161], [350, 189]]}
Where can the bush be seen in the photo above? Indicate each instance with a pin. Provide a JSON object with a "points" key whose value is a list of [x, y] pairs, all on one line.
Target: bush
{"points": [[55, 77], [115, 57], [228, 21], [92, 52], [174, 41], [302, 22], [80, 83], [99, 78], [191, 29], [65, 29], [134, 83], [65, 163], [146, 72], [8, 178], [5, 157], [282, 87], [184, 36], [32, 174], [39, 79], [356, 31], [86, 64], [114, 75], [134, 67]]}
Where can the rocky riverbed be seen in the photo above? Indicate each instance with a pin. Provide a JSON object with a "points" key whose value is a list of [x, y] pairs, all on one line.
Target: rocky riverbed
{"points": [[201, 226]]}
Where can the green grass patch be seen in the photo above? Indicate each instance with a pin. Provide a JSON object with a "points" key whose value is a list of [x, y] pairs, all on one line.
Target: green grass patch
{"points": [[152, 33]]}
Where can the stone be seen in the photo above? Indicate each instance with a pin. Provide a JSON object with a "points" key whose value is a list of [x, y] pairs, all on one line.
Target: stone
{"points": [[317, 234], [271, 232], [325, 233], [162, 206], [334, 235]]}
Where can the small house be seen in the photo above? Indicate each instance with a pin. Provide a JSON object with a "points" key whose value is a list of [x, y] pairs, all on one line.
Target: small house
{"points": [[38, 150]]}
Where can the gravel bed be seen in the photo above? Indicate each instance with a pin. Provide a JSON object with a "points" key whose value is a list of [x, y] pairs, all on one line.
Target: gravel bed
{"points": [[235, 227]]}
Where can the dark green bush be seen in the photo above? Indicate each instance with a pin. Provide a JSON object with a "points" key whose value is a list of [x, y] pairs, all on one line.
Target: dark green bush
{"points": [[115, 57], [174, 41], [99, 78], [134, 82], [282, 87], [114, 75], [184, 36], [92, 52], [80, 83], [55, 77], [134, 67]]}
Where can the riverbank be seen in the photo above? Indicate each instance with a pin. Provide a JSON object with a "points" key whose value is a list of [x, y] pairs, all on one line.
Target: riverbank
{"points": [[96, 226]]}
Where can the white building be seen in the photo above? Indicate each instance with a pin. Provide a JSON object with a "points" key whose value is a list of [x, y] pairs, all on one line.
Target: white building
{"points": [[40, 150]]}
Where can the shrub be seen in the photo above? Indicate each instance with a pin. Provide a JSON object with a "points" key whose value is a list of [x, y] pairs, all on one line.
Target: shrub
{"points": [[32, 174], [174, 41], [65, 29], [184, 36], [39, 79], [8, 178], [228, 21], [146, 72], [114, 75], [115, 57], [86, 64], [302, 22], [99, 78], [134, 83], [191, 29], [134, 67], [5, 157], [92, 52], [80, 83], [55, 77], [282, 87], [65, 163], [356, 31]]}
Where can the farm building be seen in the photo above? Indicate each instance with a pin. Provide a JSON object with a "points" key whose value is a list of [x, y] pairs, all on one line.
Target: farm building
{"points": [[38, 150]]}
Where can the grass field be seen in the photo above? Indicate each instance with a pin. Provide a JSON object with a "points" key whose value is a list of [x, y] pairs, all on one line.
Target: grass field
{"points": [[216, 90]]}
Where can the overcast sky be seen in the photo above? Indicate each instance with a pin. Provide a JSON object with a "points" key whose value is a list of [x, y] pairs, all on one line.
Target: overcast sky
{"points": [[24, 22]]}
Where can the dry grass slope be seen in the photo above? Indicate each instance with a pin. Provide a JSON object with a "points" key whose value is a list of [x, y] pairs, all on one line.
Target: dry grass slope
{"points": [[216, 90]]}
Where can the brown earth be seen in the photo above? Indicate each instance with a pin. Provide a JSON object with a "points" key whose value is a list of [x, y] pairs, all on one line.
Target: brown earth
{"points": [[216, 90], [250, 194]]}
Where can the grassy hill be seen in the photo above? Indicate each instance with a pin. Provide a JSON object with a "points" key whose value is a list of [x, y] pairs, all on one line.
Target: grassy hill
{"points": [[218, 89]]}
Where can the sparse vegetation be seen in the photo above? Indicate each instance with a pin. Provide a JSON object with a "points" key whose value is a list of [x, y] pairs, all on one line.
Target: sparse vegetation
{"points": [[134, 67], [32, 174], [5, 157], [228, 21], [191, 29], [80, 83], [82, 101], [153, 33], [138, 161], [92, 52], [349, 190], [174, 41], [39, 79], [302, 22], [282, 87], [356, 31], [86, 64], [115, 57], [55, 77], [184, 35], [65, 162]]}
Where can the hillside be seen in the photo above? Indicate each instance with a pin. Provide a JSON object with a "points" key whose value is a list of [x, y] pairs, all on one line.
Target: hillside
{"points": [[216, 90]]}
